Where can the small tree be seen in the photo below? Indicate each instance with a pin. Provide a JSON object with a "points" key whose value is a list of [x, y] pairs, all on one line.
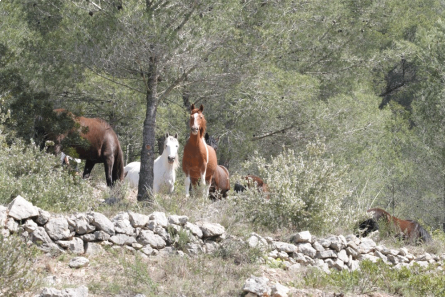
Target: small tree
{"points": [[306, 191]]}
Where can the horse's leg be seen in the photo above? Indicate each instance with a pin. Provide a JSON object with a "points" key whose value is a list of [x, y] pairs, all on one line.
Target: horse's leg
{"points": [[108, 164], [88, 167], [187, 186]]}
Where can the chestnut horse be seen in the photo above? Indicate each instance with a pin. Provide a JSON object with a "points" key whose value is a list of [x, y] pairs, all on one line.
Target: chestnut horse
{"points": [[253, 181], [220, 182], [412, 230], [199, 159], [102, 145]]}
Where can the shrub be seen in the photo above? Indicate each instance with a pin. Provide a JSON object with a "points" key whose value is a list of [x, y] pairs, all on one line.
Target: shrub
{"points": [[16, 266], [306, 191], [39, 177]]}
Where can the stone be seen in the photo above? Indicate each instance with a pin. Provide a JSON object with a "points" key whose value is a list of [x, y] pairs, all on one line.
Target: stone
{"points": [[12, 225], [122, 239], [138, 220], [79, 262], [343, 256], [83, 225], [211, 229], [43, 217], [318, 247], [285, 247], [326, 254], [382, 256], [337, 243], [74, 245], [101, 236], [3, 216], [149, 237], [57, 228], [178, 220], [307, 249], [40, 237], [93, 248], [21, 209], [89, 237], [352, 252], [194, 229], [147, 250], [101, 222], [338, 264], [366, 245], [81, 291], [124, 227], [278, 290], [302, 237], [257, 285], [159, 218]]}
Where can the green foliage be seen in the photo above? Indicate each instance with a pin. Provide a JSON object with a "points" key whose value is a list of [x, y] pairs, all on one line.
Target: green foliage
{"points": [[406, 281], [39, 177], [17, 274], [306, 191]]}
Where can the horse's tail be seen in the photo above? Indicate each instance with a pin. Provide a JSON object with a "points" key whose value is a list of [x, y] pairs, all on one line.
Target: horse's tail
{"points": [[422, 234], [118, 166]]}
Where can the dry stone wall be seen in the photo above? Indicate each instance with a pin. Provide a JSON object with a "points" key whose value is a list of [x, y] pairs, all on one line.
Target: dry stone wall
{"points": [[156, 234]]}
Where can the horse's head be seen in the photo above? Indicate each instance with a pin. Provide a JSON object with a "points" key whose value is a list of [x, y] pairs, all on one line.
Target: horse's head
{"points": [[171, 146], [379, 213], [197, 121], [212, 141]]}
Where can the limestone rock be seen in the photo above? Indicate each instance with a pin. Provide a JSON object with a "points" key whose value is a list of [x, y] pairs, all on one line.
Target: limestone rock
{"points": [[57, 228], [21, 209], [258, 286], [79, 262], [101, 222]]}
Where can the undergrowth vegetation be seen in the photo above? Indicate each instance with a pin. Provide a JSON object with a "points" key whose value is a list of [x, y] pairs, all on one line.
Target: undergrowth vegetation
{"points": [[17, 273], [39, 177], [372, 277], [306, 191]]}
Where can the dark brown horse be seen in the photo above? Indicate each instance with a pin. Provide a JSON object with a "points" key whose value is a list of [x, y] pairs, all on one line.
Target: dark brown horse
{"points": [[411, 230], [251, 181], [101, 145], [199, 159], [220, 183]]}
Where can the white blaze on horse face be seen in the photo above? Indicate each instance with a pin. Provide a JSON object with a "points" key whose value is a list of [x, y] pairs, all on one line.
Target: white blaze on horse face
{"points": [[195, 126]]}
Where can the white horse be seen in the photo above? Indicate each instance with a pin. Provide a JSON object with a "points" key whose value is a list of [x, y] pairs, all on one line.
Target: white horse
{"points": [[164, 167]]}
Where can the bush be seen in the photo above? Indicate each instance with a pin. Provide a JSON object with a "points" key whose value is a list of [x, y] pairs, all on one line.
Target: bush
{"points": [[16, 266], [39, 177], [306, 191]]}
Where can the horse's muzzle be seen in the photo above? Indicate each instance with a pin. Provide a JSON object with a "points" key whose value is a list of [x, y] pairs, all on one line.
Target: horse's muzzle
{"points": [[171, 159], [194, 130]]}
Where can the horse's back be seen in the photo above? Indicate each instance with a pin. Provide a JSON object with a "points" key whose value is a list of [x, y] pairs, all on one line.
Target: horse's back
{"points": [[132, 171]]}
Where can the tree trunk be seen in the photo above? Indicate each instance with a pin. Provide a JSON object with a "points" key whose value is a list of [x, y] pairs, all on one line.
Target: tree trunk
{"points": [[149, 138]]}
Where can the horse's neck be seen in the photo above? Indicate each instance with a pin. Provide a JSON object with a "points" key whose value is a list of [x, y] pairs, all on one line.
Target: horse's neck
{"points": [[196, 140]]}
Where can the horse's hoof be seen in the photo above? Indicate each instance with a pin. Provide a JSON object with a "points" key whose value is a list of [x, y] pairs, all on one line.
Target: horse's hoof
{"points": [[187, 195]]}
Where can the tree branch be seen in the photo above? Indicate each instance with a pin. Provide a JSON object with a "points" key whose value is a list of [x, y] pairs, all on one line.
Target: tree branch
{"points": [[271, 133]]}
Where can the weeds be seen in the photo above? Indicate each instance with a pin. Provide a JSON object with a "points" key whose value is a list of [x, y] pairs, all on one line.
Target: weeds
{"points": [[17, 274]]}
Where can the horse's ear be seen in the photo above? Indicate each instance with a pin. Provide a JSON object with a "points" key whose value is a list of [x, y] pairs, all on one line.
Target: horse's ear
{"points": [[176, 135], [192, 107], [167, 135], [206, 137], [201, 108]]}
